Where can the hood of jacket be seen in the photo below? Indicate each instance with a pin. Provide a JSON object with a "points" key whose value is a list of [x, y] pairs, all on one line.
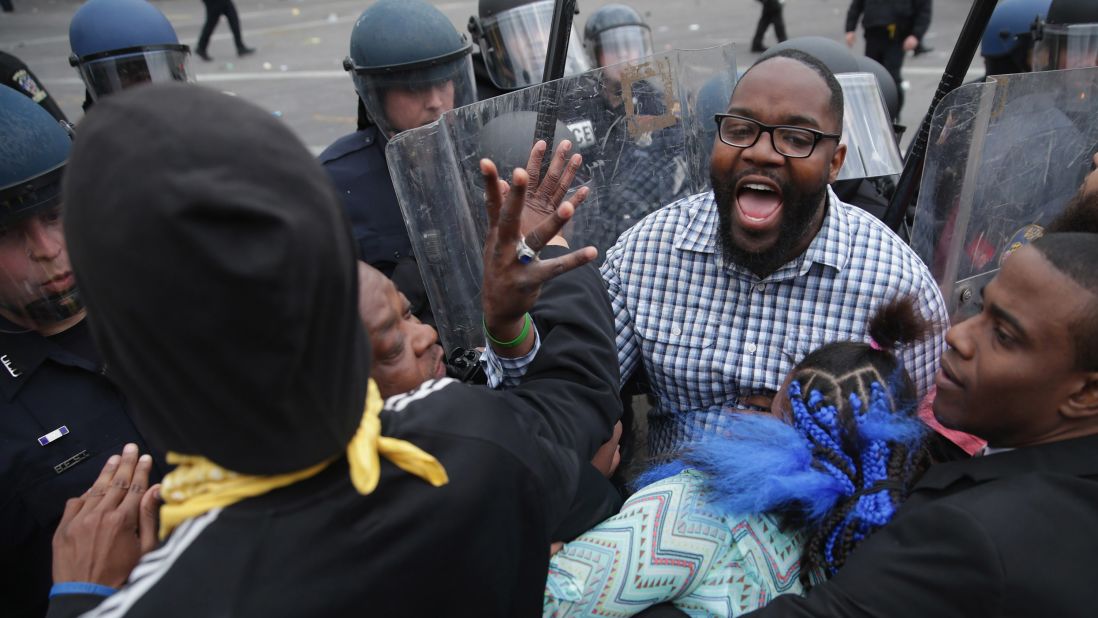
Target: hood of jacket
{"points": [[219, 274]]}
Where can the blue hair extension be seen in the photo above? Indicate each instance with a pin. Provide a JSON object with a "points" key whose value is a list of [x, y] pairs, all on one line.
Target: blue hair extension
{"points": [[880, 429], [761, 465], [881, 423], [820, 425]]}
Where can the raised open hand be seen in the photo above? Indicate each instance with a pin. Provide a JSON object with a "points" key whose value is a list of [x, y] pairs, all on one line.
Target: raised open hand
{"points": [[511, 286], [543, 195]]}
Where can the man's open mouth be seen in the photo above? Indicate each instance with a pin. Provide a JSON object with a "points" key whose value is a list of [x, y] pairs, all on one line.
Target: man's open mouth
{"points": [[759, 201]]}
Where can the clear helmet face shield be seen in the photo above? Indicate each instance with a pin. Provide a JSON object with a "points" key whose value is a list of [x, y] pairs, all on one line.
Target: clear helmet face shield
{"points": [[514, 44], [37, 286], [870, 138], [1065, 46], [622, 44], [401, 99], [113, 71]]}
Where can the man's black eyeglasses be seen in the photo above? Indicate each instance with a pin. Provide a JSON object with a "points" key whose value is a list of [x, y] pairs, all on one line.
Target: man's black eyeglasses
{"points": [[792, 142]]}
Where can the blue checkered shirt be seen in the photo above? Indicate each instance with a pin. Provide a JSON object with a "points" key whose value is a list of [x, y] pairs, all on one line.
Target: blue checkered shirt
{"points": [[712, 334]]}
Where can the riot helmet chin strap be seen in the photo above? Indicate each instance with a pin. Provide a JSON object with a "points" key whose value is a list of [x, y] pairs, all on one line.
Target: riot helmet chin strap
{"points": [[47, 311]]}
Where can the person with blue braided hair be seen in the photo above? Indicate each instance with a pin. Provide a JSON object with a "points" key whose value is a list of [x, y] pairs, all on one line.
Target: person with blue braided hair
{"points": [[771, 506]]}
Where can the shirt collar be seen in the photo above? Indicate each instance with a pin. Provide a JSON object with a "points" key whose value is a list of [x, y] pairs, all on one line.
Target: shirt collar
{"points": [[831, 246], [22, 352], [1074, 456]]}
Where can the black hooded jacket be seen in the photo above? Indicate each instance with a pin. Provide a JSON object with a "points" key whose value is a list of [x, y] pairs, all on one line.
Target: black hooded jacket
{"points": [[221, 275]]}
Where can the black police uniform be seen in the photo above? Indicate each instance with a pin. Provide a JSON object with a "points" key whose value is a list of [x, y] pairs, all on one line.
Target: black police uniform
{"points": [[356, 164], [49, 387], [14, 73], [887, 23]]}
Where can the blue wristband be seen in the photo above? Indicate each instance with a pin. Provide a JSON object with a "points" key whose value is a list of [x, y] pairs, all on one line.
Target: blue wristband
{"points": [[81, 588]]}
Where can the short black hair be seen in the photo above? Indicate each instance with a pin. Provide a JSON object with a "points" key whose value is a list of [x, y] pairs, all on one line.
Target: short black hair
{"points": [[1075, 254], [835, 103], [1080, 215]]}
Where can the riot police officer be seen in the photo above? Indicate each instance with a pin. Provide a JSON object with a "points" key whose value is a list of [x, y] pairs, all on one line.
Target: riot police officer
{"points": [[60, 416], [1068, 36], [616, 33], [513, 37], [409, 65], [1008, 43], [121, 43]]}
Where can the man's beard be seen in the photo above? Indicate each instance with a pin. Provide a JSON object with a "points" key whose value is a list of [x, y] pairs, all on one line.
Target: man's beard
{"points": [[798, 212], [1080, 215]]}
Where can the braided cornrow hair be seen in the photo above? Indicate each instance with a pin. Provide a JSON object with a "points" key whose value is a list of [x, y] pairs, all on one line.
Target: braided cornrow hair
{"points": [[839, 396]]}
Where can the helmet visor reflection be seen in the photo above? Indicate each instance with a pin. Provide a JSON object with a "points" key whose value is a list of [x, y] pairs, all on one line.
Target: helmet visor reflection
{"points": [[110, 74]]}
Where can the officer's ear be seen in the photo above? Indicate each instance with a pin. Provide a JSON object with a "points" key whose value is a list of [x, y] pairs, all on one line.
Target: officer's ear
{"points": [[837, 158]]}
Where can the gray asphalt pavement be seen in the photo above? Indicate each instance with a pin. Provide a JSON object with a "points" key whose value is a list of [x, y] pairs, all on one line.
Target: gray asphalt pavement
{"points": [[297, 71]]}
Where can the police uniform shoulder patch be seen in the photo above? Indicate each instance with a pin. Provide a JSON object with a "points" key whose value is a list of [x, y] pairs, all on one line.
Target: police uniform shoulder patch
{"points": [[28, 85], [1020, 239]]}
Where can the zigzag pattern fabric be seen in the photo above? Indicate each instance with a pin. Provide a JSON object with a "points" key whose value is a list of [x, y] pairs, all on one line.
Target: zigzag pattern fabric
{"points": [[669, 543]]}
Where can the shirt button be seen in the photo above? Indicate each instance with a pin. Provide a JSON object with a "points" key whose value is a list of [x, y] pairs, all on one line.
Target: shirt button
{"points": [[751, 348], [676, 331], [761, 287]]}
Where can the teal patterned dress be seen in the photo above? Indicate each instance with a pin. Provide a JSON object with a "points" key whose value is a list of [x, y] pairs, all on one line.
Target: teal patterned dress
{"points": [[669, 544]]}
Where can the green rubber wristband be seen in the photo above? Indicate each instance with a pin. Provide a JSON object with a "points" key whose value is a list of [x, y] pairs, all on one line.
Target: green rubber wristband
{"points": [[514, 343]]}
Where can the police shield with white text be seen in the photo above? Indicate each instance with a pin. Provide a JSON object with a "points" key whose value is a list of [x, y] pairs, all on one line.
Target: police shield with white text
{"points": [[447, 229]]}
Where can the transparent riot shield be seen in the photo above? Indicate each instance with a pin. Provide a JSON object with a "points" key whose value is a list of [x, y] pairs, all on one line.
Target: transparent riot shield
{"points": [[636, 125], [1004, 158]]}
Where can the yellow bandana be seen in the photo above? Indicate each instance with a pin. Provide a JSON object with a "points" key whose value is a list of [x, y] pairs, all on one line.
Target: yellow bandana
{"points": [[198, 485]]}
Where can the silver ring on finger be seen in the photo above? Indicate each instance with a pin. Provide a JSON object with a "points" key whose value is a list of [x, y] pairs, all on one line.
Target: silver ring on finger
{"points": [[524, 253]]}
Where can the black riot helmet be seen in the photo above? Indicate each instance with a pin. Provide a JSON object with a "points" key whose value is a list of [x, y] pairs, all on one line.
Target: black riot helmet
{"points": [[507, 138], [834, 55], [409, 64], [616, 33], [513, 36], [1068, 37]]}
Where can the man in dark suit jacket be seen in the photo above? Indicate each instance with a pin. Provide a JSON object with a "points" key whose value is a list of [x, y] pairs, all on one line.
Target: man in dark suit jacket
{"points": [[1009, 533]]}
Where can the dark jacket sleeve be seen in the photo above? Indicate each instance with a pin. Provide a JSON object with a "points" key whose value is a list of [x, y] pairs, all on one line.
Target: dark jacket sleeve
{"points": [[67, 605], [853, 13], [921, 23], [573, 384], [557, 417], [937, 561]]}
